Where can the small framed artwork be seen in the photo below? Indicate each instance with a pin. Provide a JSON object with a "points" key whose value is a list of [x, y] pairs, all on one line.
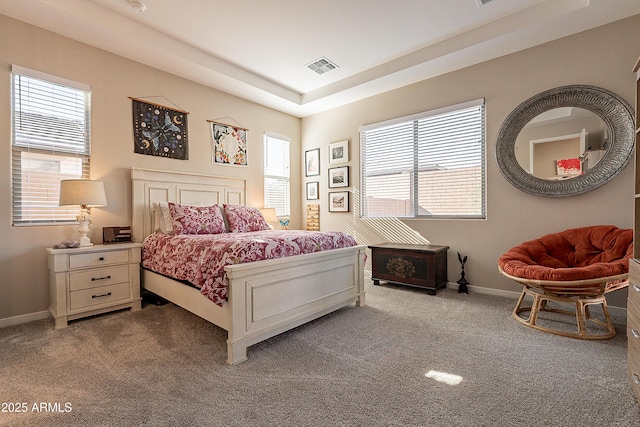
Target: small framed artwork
{"points": [[313, 190], [312, 162], [339, 152], [339, 201], [339, 177]]}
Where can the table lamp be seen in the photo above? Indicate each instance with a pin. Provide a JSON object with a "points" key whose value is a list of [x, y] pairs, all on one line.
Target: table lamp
{"points": [[269, 215], [85, 193]]}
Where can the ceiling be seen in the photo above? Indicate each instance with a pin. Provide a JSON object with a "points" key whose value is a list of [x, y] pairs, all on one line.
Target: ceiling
{"points": [[259, 50]]}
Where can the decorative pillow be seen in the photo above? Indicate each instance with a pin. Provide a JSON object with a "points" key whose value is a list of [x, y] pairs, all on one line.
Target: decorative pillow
{"points": [[162, 222], [196, 219], [244, 218]]}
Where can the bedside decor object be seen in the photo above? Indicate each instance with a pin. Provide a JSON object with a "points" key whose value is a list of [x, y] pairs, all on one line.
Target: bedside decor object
{"points": [[87, 194], [313, 217], [284, 223], [312, 162], [313, 190], [422, 266], [159, 130], [339, 152], [116, 234], [67, 244], [93, 280], [463, 285], [339, 201], [339, 177]]}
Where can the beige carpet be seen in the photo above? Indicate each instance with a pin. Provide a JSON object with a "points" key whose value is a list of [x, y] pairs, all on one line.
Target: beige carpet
{"points": [[407, 359]]}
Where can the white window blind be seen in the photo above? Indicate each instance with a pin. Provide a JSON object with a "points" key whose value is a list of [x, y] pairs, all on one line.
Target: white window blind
{"points": [[50, 142], [428, 165], [276, 174]]}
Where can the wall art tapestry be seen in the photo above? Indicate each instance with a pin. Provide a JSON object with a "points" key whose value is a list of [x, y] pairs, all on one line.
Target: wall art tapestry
{"points": [[229, 144], [159, 131]]}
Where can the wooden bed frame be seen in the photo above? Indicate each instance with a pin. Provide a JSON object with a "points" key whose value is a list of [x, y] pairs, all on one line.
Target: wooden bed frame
{"points": [[266, 298]]}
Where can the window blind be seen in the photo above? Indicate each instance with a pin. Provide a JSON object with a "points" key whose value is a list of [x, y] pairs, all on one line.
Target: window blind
{"points": [[50, 142], [277, 174], [428, 165]]}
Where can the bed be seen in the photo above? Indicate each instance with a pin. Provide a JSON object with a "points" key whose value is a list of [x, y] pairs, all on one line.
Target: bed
{"points": [[264, 298]]}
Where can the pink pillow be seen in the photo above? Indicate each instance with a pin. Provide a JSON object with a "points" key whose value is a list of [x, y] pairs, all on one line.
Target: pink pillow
{"points": [[244, 218], [196, 219]]}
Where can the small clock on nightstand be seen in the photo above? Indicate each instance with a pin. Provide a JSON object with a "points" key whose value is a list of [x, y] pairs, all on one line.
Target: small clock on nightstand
{"points": [[93, 280]]}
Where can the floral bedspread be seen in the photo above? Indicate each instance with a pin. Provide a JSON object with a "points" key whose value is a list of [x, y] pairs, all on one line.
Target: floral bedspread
{"points": [[200, 259]]}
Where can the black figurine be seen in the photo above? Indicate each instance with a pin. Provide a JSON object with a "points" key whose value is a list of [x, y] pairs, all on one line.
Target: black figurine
{"points": [[462, 283]]}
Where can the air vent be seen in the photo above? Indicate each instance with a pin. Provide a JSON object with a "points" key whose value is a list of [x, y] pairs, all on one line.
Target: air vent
{"points": [[322, 65], [483, 2]]}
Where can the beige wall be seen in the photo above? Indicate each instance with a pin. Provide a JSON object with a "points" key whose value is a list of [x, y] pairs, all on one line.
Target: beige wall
{"points": [[23, 263], [602, 57]]}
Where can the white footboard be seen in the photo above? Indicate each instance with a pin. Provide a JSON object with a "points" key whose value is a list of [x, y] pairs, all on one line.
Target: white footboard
{"points": [[269, 297]]}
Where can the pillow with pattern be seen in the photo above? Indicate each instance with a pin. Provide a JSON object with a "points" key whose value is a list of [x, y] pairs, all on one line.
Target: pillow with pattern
{"points": [[196, 219], [244, 218]]}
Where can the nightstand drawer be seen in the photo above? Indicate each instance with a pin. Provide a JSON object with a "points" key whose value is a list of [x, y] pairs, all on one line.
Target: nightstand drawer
{"points": [[634, 365], [633, 323], [101, 295], [98, 277], [97, 259]]}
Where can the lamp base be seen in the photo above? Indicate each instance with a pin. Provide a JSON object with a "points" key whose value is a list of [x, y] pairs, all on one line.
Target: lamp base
{"points": [[84, 241], [84, 230]]}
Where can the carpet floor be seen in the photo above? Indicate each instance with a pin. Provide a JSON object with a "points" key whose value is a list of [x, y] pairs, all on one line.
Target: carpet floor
{"points": [[406, 359]]}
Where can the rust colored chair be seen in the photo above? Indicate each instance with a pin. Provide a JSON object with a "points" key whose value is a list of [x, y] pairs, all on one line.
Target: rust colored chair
{"points": [[576, 266]]}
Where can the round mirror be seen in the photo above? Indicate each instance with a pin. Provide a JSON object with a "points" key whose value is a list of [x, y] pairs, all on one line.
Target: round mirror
{"points": [[566, 141]]}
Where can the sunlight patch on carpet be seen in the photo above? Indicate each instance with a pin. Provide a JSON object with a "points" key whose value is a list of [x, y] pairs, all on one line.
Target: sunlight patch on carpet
{"points": [[444, 377]]}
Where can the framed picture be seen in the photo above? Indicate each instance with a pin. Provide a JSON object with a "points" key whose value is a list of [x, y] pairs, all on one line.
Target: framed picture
{"points": [[339, 177], [229, 144], [313, 190], [339, 152], [312, 162], [339, 201]]}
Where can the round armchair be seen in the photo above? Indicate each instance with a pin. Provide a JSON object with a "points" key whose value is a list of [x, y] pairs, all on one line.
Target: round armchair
{"points": [[577, 267]]}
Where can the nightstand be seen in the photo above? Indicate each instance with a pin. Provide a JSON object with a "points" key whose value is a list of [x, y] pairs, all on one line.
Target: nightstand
{"points": [[92, 280]]}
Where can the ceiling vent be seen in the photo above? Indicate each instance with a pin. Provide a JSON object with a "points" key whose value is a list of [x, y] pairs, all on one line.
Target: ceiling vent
{"points": [[483, 2], [322, 65]]}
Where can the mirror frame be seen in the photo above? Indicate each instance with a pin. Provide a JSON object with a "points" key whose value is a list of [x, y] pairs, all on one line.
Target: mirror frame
{"points": [[617, 115]]}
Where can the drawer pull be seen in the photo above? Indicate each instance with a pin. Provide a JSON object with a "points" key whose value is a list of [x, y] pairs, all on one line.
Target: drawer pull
{"points": [[100, 296], [636, 288], [635, 333], [636, 379], [101, 258], [93, 279]]}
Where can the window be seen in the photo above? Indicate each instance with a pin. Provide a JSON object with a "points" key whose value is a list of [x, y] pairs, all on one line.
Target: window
{"points": [[429, 165], [276, 174], [50, 142]]}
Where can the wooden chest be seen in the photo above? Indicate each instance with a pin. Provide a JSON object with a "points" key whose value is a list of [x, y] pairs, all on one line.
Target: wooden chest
{"points": [[423, 266]]}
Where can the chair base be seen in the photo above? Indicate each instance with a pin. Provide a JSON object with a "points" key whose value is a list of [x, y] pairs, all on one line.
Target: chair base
{"points": [[582, 315]]}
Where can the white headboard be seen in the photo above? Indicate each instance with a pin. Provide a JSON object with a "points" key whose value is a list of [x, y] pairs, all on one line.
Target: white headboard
{"points": [[152, 186]]}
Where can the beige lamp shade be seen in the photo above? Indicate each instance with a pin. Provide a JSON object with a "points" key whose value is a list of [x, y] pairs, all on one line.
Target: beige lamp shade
{"points": [[82, 192], [269, 214]]}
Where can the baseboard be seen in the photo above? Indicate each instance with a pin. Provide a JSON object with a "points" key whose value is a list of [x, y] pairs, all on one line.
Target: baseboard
{"points": [[487, 291], [40, 315], [614, 311], [24, 318]]}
